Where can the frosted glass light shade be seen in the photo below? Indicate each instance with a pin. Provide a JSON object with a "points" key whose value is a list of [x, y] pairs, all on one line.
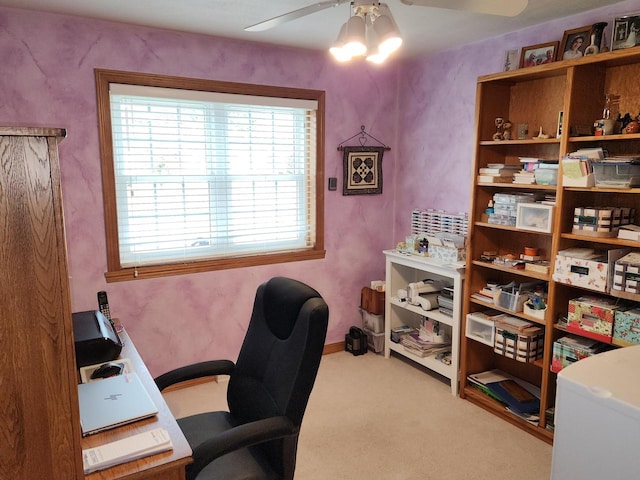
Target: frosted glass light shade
{"points": [[355, 42], [337, 50], [389, 39]]}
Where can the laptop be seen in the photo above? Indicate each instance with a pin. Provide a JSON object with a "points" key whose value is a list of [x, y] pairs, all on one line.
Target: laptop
{"points": [[113, 401]]}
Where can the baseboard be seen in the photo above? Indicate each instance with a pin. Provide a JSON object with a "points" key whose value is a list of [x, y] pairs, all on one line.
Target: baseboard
{"points": [[329, 348], [333, 348]]}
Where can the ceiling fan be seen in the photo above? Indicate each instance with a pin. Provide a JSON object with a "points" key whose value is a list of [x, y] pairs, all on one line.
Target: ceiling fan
{"points": [[507, 8]]}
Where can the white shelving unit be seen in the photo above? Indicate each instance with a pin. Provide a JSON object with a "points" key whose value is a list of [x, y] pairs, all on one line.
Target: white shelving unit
{"points": [[402, 269]]}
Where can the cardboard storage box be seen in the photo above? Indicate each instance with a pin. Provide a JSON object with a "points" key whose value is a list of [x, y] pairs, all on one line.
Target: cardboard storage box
{"points": [[626, 328], [372, 300], [600, 221], [524, 344], [626, 275], [593, 271], [593, 317], [569, 349], [446, 254]]}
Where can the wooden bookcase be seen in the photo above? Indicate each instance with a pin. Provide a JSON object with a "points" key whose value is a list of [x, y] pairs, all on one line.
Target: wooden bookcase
{"points": [[536, 96]]}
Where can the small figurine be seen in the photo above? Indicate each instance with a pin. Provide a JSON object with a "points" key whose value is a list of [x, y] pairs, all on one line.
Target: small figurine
{"points": [[506, 134], [541, 135], [499, 122]]}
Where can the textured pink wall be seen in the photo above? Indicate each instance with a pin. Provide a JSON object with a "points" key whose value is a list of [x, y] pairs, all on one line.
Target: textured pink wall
{"points": [[423, 109], [47, 80]]}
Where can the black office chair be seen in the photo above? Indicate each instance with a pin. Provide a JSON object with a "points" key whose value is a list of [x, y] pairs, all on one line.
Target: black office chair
{"points": [[268, 390]]}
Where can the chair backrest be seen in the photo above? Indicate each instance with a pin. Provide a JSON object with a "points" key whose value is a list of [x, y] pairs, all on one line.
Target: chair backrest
{"points": [[279, 359]]}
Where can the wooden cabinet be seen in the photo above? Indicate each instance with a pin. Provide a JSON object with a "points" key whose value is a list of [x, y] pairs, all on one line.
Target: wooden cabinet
{"points": [[536, 96], [39, 422], [404, 269]]}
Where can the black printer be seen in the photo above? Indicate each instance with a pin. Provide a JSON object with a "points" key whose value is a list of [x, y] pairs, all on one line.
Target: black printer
{"points": [[96, 340]]}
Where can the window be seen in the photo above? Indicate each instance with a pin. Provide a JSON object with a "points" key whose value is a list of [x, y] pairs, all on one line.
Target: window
{"points": [[201, 175]]}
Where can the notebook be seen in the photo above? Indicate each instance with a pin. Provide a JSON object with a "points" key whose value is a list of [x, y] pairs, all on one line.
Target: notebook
{"points": [[112, 402]]}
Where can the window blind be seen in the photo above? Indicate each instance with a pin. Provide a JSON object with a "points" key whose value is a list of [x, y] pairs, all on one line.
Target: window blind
{"points": [[202, 175]]}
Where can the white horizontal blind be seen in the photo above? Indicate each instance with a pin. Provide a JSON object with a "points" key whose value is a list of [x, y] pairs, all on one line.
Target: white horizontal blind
{"points": [[199, 178]]}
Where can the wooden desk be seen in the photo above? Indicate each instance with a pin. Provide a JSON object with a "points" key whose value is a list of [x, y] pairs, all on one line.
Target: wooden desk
{"points": [[166, 466]]}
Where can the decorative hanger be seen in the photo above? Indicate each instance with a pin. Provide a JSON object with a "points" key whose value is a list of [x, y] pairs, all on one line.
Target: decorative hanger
{"points": [[363, 136]]}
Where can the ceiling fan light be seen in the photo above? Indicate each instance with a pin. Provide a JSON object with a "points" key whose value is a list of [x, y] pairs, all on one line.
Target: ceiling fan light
{"points": [[376, 57], [355, 39], [389, 39], [340, 54]]}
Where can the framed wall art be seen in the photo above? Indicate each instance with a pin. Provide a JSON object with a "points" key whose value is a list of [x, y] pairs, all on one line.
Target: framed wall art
{"points": [[538, 54], [625, 32], [574, 42], [362, 170]]}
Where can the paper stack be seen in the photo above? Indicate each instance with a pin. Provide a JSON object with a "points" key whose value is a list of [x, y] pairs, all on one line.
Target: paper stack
{"points": [[126, 450]]}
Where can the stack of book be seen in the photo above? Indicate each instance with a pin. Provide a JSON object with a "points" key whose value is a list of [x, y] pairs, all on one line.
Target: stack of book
{"points": [[423, 348], [485, 294], [518, 396], [497, 173]]}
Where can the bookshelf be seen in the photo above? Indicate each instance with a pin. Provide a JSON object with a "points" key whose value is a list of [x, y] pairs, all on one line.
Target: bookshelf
{"points": [[536, 96]]}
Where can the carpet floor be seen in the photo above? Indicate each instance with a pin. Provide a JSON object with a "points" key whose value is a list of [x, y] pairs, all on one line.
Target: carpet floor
{"points": [[376, 418]]}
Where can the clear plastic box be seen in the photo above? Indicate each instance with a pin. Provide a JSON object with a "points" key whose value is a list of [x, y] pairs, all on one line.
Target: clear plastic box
{"points": [[514, 302], [616, 174], [546, 176], [375, 340]]}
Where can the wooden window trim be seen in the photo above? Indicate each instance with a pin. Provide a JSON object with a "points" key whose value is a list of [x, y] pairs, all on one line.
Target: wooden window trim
{"points": [[115, 272]]}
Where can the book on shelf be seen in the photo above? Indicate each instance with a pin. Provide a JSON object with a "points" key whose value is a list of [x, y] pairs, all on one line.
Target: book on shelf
{"points": [[413, 343], [505, 170], [629, 232], [575, 167], [494, 179], [524, 178], [481, 297], [519, 396]]}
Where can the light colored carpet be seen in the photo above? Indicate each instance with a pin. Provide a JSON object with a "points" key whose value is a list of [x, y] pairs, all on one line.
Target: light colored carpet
{"points": [[376, 418]]}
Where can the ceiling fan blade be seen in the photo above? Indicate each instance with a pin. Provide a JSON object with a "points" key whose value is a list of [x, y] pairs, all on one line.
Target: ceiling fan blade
{"points": [[293, 15], [505, 8]]}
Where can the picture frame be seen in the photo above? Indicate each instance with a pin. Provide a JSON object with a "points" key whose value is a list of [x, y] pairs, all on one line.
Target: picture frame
{"points": [[538, 54], [362, 170], [574, 43], [535, 217], [625, 32]]}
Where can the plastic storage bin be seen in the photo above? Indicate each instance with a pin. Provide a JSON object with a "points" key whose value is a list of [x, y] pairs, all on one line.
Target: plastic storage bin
{"points": [[617, 174], [546, 176], [481, 328], [372, 322], [375, 340]]}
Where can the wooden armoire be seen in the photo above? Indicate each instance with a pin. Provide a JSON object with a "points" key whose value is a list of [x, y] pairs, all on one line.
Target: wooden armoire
{"points": [[39, 424]]}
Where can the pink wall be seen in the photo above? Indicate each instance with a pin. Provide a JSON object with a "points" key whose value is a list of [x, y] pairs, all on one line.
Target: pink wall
{"points": [[423, 109], [47, 80]]}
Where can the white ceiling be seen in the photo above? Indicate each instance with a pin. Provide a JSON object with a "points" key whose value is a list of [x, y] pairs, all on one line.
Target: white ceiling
{"points": [[425, 29]]}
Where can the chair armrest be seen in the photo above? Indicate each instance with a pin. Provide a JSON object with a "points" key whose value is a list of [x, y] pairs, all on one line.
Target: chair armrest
{"points": [[196, 370], [242, 436]]}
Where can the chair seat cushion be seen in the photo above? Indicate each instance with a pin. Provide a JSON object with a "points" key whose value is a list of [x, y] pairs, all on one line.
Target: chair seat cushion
{"points": [[243, 464]]}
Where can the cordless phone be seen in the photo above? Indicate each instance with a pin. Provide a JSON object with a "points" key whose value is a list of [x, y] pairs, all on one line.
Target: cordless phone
{"points": [[103, 304]]}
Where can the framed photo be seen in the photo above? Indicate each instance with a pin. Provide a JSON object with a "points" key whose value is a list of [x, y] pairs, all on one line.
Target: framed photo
{"points": [[538, 54], [535, 217], [362, 170], [574, 42], [625, 32]]}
